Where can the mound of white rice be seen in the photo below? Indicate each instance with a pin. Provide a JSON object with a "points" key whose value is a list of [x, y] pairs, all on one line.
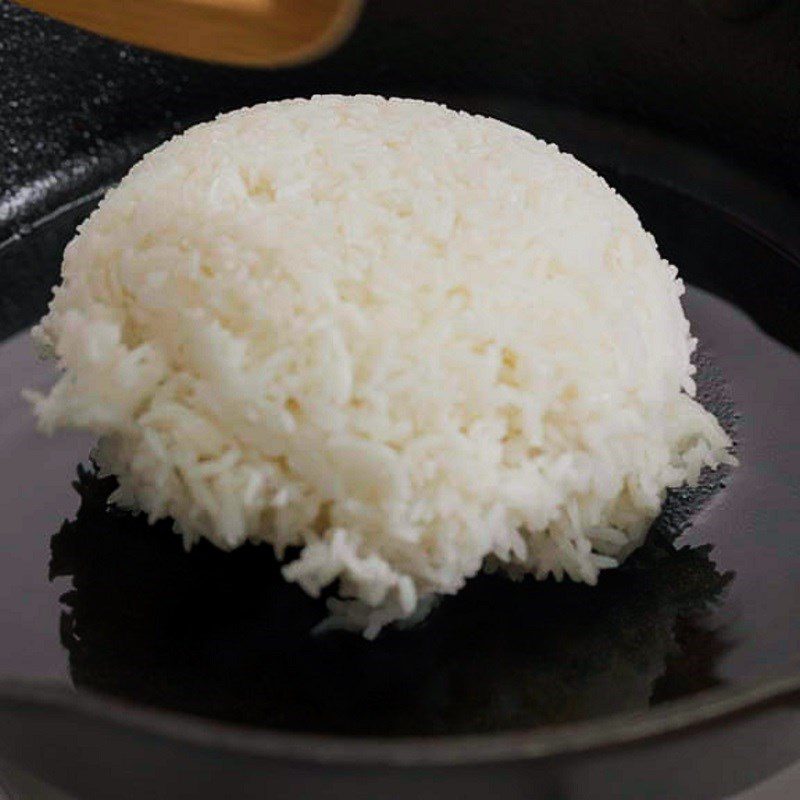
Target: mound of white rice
{"points": [[410, 341]]}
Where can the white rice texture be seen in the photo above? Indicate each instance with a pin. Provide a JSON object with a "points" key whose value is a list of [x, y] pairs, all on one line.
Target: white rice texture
{"points": [[411, 342]]}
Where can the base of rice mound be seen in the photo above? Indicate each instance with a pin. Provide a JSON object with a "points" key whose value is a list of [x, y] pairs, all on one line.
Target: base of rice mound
{"points": [[409, 341]]}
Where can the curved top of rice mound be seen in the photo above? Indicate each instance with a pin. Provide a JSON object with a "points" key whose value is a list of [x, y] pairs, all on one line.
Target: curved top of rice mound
{"points": [[409, 341]]}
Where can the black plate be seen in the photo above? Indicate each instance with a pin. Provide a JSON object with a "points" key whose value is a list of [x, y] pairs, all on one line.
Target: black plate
{"points": [[203, 664]]}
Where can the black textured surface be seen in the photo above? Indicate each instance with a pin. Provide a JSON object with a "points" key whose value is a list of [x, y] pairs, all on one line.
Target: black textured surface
{"points": [[30, 265], [76, 110]]}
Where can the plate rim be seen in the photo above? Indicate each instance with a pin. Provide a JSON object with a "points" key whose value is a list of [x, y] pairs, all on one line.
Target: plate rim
{"points": [[710, 707]]}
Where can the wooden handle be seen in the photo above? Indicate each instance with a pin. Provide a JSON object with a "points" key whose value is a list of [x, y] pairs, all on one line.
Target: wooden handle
{"points": [[255, 33]]}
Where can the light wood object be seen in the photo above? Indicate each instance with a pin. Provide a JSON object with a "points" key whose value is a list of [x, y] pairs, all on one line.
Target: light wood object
{"points": [[257, 33]]}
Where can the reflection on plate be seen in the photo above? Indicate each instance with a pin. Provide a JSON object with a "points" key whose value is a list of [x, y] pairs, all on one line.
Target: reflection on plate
{"points": [[223, 636]]}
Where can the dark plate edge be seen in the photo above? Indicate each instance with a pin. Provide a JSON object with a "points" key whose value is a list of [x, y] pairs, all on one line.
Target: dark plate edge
{"points": [[714, 707]]}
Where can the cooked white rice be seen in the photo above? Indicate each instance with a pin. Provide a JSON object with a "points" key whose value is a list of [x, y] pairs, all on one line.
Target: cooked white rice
{"points": [[410, 341]]}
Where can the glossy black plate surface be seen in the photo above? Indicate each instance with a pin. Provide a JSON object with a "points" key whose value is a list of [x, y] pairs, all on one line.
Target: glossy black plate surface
{"points": [[691, 629], [96, 599]]}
